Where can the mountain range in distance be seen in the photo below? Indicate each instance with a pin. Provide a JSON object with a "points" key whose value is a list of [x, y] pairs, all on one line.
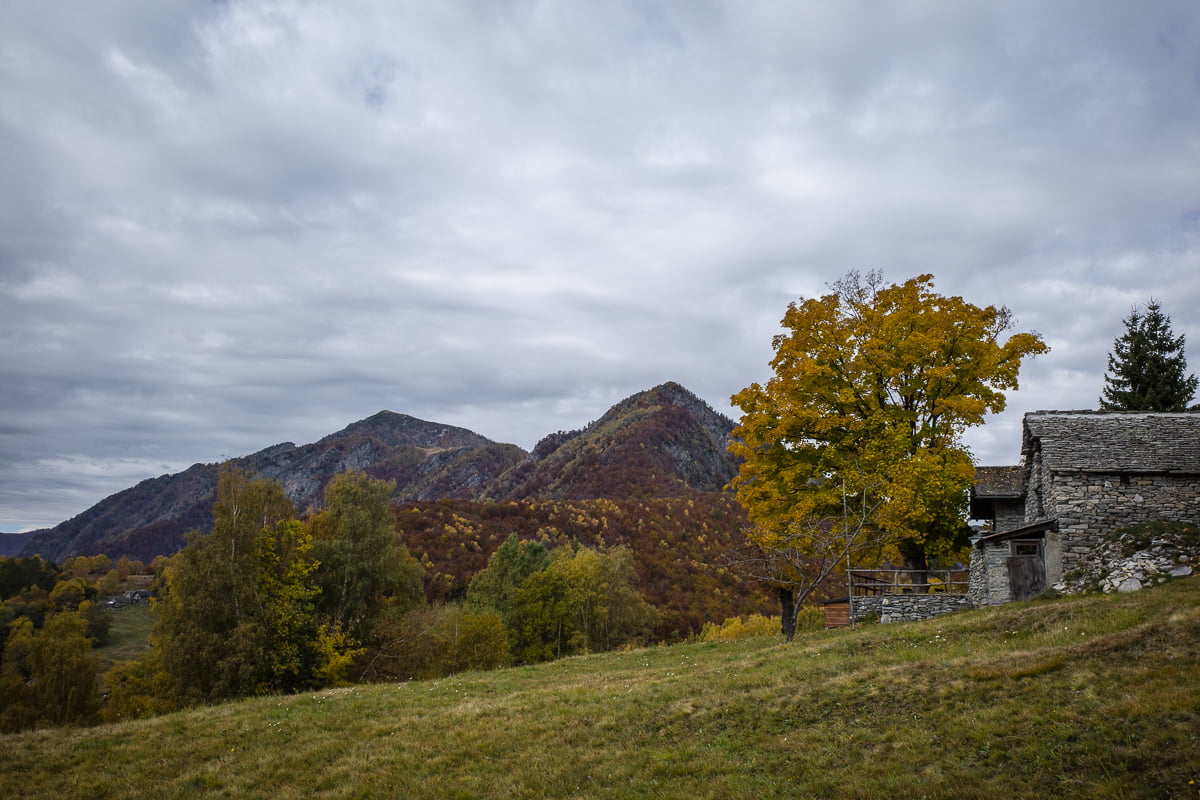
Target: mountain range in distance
{"points": [[660, 443]]}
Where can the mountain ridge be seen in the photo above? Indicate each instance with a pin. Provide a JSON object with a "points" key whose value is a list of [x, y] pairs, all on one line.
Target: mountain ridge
{"points": [[661, 442]]}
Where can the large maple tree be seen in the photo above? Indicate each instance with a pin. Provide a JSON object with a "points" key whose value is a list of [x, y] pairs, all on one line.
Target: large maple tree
{"points": [[855, 442]]}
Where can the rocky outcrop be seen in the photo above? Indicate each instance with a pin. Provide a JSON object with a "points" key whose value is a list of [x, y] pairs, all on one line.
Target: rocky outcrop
{"points": [[1136, 557]]}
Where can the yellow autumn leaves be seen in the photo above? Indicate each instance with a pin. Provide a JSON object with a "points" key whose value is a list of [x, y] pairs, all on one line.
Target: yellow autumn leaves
{"points": [[873, 386]]}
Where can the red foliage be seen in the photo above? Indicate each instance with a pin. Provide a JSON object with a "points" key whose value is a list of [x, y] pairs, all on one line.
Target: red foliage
{"points": [[678, 543]]}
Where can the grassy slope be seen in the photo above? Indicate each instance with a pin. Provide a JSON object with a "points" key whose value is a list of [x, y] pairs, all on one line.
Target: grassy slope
{"points": [[129, 635], [1096, 697]]}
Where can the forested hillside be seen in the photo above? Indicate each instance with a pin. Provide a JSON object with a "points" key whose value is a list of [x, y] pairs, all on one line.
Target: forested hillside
{"points": [[680, 547]]}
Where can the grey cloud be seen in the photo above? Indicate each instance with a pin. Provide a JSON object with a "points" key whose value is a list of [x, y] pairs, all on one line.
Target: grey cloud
{"points": [[229, 225]]}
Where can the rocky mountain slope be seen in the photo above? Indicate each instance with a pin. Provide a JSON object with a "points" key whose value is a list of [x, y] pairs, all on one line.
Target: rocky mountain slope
{"points": [[426, 459], [664, 442], [11, 544]]}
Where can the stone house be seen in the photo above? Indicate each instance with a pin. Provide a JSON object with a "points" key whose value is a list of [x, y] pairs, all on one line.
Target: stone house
{"points": [[1085, 474], [998, 497]]}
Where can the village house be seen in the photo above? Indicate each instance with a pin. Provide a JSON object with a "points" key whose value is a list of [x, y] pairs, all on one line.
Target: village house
{"points": [[1085, 474], [998, 497]]}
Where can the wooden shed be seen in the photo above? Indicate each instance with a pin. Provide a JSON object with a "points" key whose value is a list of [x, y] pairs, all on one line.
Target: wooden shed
{"points": [[837, 612]]}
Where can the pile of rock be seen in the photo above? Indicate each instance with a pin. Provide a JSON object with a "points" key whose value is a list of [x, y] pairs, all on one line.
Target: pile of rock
{"points": [[1136, 557]]}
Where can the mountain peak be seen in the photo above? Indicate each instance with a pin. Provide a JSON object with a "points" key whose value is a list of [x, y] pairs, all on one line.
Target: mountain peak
{"points": [[662, 442], [396, 430], [671, 394]]}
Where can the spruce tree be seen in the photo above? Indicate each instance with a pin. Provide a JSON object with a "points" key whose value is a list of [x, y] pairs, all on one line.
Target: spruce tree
{"points": [[1147, 369]]}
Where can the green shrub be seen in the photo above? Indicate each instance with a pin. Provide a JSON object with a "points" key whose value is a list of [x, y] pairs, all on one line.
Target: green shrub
{"points": [[436, 641], [810, 618]]}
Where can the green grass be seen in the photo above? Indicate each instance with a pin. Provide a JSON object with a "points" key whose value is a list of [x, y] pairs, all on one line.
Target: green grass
{"points": [[1095, 697], [129, 635]]}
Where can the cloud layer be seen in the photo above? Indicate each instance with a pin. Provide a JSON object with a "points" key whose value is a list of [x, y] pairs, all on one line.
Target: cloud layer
{"points": [[231, 224]]}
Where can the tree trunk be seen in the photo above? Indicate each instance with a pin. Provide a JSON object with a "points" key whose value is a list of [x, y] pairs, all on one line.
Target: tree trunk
{"points": [[787, 606], [918, 567]]}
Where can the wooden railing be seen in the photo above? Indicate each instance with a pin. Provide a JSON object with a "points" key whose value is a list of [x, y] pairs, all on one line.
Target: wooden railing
{"points": [[865, 582]]}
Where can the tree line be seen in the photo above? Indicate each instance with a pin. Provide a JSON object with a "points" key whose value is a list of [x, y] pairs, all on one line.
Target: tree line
{"points": [[52, 620], [677, 544], [270, 603]]}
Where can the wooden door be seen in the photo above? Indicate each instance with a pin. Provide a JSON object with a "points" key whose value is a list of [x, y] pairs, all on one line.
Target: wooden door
{"points": [[1026, 576]]}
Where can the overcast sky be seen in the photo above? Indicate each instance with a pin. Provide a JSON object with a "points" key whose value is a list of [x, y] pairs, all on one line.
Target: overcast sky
{"points": [[225, 225]]}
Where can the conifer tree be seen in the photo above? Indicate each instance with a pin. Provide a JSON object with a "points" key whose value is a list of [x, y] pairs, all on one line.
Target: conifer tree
{"points": [[1147, 369]]}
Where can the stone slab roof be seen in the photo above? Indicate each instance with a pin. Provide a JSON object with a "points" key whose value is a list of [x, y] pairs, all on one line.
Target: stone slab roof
{"points": [[999, 482], [1031, 530], [1106, 442]]}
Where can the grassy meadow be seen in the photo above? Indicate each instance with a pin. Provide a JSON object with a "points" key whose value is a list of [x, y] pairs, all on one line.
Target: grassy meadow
{"points": [[128, 636], [1093, 697]]}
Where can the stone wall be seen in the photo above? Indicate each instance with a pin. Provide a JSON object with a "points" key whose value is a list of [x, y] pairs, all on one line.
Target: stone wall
{"points": [[908, 607], [989, 574], [978, 581], [1089, 506], [1035, 484], [1009, 514]]}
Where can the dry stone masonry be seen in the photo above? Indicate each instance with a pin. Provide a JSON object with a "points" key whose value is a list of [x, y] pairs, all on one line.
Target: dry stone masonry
{"points": [[1087, 475], [1136, 557], [907, 607]]}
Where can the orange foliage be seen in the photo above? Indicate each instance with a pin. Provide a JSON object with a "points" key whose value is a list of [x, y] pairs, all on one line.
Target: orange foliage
{"points": [[679, 546]]}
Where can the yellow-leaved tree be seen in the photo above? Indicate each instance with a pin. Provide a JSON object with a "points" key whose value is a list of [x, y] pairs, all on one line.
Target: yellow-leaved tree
{"points": [[854, 446]]}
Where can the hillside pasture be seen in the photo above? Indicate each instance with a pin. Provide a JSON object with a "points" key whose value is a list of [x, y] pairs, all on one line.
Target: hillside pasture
{"points": [[1095, 697]]}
